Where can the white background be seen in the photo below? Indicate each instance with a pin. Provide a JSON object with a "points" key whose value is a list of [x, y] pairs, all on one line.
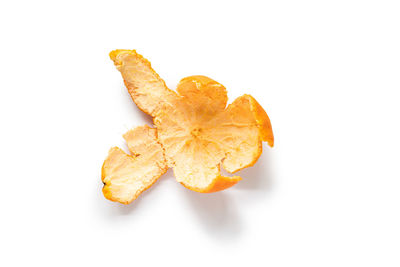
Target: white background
{"points": [[326, 72]]}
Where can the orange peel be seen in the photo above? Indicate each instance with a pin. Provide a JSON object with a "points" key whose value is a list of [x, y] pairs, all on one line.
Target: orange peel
{"points": [[125, 176], [195, 132]]}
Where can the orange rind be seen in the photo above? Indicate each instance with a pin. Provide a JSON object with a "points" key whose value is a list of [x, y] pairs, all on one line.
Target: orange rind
{"points": [[125, 176], [195, 132]]}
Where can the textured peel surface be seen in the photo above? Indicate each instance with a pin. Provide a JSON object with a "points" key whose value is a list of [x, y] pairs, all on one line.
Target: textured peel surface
{"points": [[126, 176], [195, 128], [146, 88]]}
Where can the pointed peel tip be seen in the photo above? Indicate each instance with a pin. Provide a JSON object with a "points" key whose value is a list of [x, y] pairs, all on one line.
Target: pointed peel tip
{"points": [[113, 54]]}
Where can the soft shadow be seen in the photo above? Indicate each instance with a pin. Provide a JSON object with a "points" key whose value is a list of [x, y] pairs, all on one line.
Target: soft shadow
{"points": [[112, 210], [217, 214], [259, 177]]}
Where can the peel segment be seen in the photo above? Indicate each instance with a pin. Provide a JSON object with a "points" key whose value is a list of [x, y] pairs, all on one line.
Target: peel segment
{"points": [[145, 86], [125, 176]]}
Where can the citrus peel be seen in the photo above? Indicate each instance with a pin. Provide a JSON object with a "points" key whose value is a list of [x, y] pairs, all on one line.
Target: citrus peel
{"points": [[125, 176], [195, 132]]}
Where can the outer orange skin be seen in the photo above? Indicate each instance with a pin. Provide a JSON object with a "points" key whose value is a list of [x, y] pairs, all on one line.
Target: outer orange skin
{"points": [[263, 121], [220, 183], [261, 117]]}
